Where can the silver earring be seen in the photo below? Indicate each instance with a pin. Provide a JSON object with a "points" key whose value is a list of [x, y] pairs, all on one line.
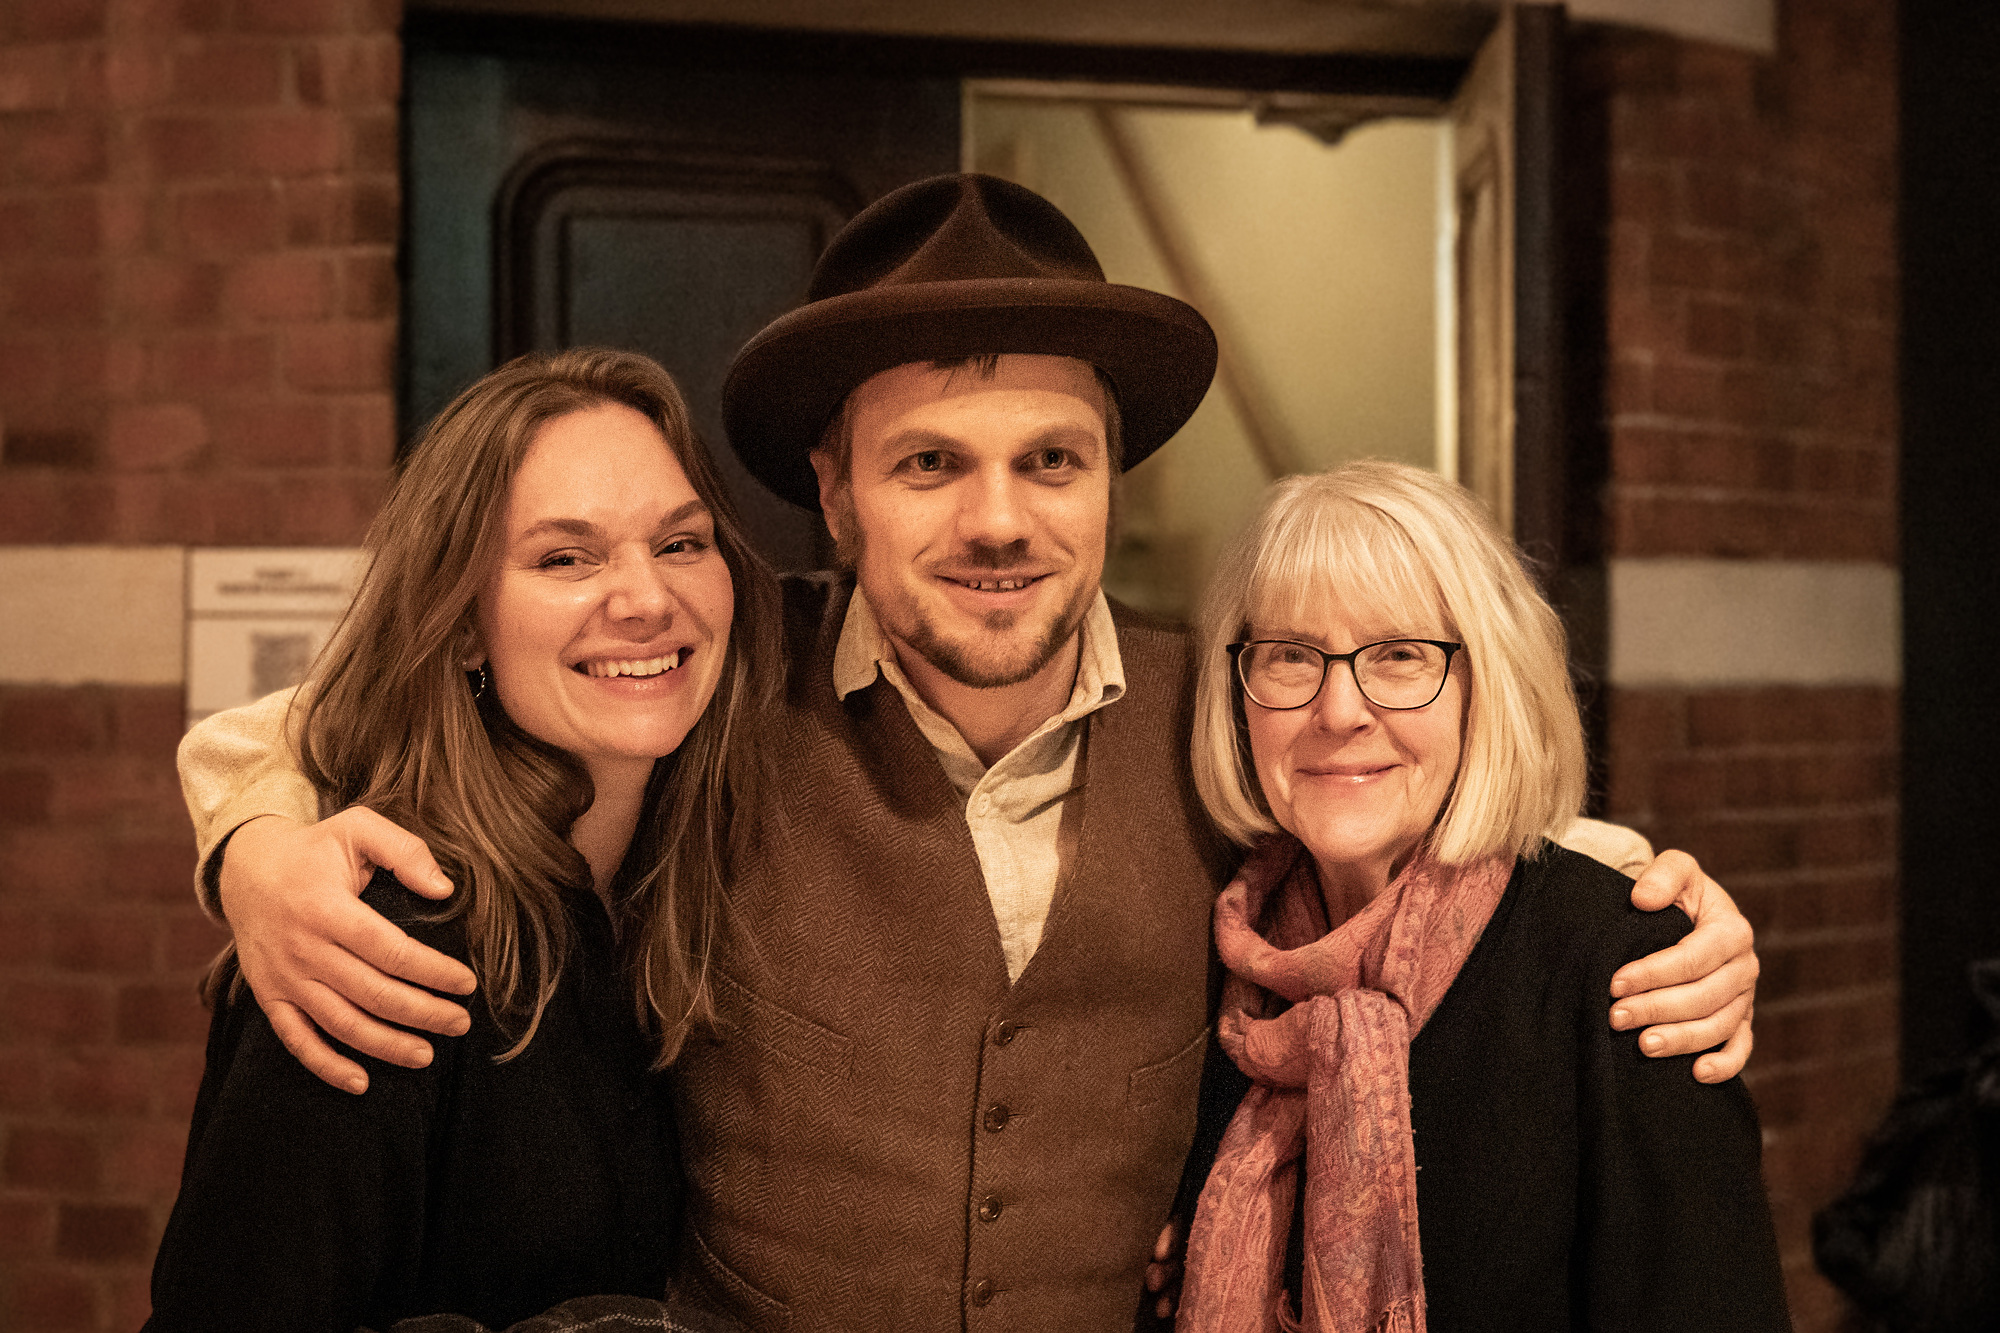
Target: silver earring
{"points": [[479, 690]]}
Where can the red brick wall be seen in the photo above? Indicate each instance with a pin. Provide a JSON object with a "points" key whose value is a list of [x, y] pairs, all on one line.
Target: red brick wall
{"points": [[198, 210], [1751, 413]]}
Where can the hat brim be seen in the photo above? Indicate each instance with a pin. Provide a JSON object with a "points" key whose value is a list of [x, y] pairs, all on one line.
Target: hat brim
{"points": [[787, 382]]}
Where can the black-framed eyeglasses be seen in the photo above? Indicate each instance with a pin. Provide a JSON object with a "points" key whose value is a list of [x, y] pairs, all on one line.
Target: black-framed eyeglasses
{"points": [[1397, 674]]}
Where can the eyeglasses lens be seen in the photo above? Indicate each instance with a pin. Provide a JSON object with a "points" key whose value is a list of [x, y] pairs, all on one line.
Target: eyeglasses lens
{"points": [[1402, 673]]}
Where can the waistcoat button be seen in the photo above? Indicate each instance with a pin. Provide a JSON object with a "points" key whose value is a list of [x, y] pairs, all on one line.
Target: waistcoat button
{"points": [[1006, 1032], [996, 1118], [989, 1208], [982, 1292]]}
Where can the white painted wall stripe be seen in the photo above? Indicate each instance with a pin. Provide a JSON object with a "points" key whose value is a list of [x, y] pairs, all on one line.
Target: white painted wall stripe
{"points": [[1749, 622], [76, 615], [72, 615]]}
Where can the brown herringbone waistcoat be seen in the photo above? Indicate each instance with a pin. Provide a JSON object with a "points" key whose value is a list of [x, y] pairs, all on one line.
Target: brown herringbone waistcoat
{"points": [[888, 1135]]}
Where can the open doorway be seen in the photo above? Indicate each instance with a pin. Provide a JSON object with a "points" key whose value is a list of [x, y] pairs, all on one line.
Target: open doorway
{"points": [[1323, 258]]}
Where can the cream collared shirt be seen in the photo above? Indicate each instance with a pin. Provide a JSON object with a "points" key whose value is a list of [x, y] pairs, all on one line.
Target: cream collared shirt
{"points": [[1015, 808]]}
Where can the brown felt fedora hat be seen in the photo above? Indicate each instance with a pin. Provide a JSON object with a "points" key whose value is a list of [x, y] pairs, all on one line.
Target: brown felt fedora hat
{"points": [[951, 267]]}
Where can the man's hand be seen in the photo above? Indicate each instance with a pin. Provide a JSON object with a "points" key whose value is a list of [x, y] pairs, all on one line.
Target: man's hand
{"points": [[1163, 1275], [1703, 989], [313, 953]]}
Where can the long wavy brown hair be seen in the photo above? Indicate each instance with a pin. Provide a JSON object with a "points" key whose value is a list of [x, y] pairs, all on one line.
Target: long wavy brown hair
{"points": [[390, 722]]}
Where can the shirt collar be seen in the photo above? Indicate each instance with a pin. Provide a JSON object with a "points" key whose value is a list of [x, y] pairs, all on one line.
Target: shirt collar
{"points": [[864, 651]]}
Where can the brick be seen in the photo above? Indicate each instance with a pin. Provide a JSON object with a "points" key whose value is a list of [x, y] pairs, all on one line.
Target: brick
{"points": [[375, 215], [27, 1229], [175, 17], [1717, 329], [1688, 391], [49, 78], [281, 433], [334, 511], [1858, 1084], [351, 71], [160, 1013], [128, 1291], [183, 147], [37, 862], [147, 720], [192, 942], [229, 73], [145, 1157], [53, 295], [52, 149], [282, 286], [377, 142], [57, 20], [1791, 970], [51, 222], [365, 432], [121, 1082], [1826, 1029], [226, 221], [23, 939], [1792, 716], [48, 1300], [97, 941], [299, 143], [157, 435], [62, 1011], [24, 447], [340, 356], [1676, 260], [37, 720], [24, 796], [1850, 838], [177, 1080], [39, 1157], [47, 507], [293, 16], [104, 1233], [194, 363], [138, 75], [24, 1079], [1712, 198], [151, 868], [154, 289]]}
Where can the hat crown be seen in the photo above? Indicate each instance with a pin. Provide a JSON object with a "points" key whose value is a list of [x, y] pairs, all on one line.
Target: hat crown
{"points": [[954, 229]]}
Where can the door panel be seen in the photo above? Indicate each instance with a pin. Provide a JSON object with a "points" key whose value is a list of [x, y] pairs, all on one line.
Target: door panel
{"points": [[594, 189]]}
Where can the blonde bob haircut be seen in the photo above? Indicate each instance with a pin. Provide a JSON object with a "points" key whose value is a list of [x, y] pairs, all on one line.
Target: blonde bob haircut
{"points": [[1394, 547]]}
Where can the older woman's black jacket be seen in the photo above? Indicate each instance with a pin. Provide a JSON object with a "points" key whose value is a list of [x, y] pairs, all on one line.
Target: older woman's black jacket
{"points": [[1564, 1181], [493, 1190]]}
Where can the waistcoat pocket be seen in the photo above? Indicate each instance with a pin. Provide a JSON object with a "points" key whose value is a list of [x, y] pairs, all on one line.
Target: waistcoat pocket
{"points": [[780, 1031], [725, 1287], [1177, 1077]]}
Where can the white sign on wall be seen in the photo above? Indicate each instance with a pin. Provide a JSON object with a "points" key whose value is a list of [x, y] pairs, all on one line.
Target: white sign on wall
{"points": [[257, 617]]}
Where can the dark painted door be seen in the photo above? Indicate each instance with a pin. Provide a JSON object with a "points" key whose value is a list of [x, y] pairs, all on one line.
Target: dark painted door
{"points": [[638, 188]]}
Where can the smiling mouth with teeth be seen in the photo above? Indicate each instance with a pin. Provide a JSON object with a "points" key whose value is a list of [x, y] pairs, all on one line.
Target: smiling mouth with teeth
{"points": [[650, 666], [997, 585]]}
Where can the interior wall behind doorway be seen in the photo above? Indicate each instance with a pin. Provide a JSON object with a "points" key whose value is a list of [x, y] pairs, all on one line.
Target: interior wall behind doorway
{"points": [[1317, 264]]}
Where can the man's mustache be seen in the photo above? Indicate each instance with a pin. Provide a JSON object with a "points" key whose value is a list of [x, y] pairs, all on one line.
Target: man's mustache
{"points": [[987, 555]]}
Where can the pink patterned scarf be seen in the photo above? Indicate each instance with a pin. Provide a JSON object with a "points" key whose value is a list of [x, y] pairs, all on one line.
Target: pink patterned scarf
{"points": [[1332, 1082]]}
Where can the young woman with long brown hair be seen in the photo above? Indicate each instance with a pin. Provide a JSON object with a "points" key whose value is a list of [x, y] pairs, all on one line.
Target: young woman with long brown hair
{"points": [[551, 673]]}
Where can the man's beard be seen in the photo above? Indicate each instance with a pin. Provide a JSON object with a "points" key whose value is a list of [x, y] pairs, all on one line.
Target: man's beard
{"points": [[959, 660]]}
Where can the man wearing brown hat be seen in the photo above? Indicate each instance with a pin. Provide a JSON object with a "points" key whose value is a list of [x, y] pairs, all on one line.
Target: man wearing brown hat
{"points": [[964, 1003]]}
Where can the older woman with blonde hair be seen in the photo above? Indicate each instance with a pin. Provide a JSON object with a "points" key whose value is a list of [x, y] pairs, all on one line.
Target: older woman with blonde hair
{"points": [[1439, 1124]]}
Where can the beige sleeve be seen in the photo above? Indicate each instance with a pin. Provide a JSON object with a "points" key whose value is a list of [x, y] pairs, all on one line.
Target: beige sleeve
{"points": [[235, 766], [1614, 845]]}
